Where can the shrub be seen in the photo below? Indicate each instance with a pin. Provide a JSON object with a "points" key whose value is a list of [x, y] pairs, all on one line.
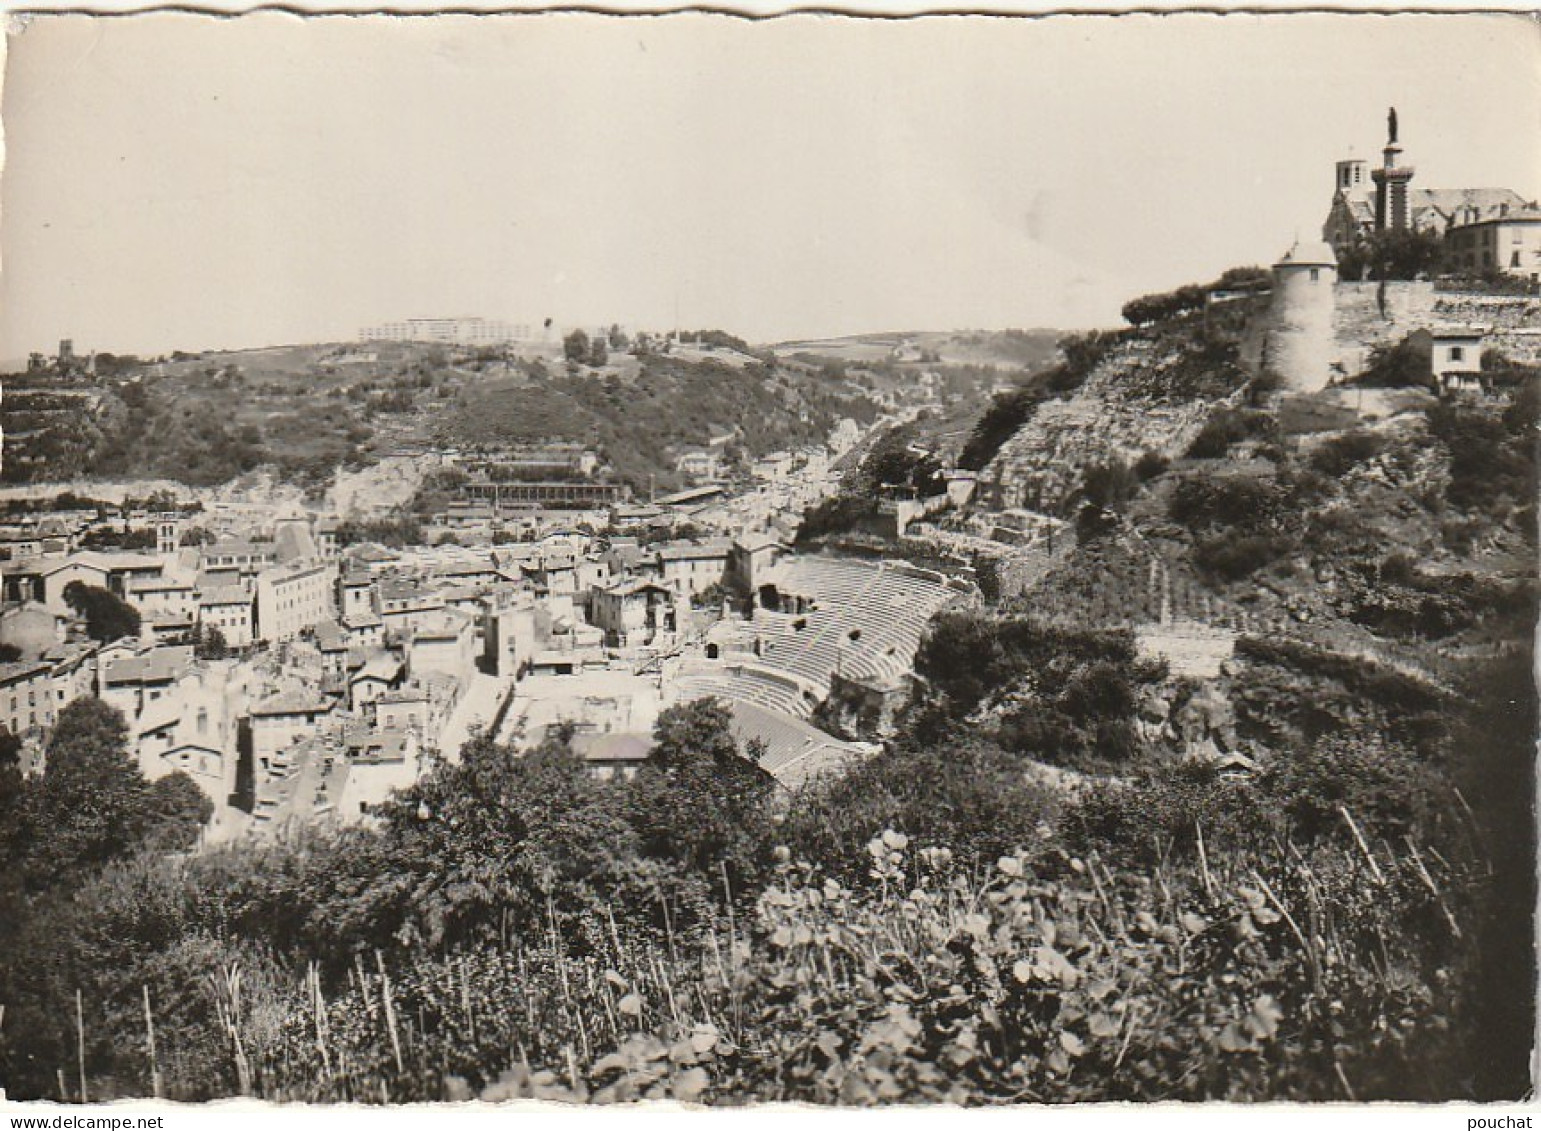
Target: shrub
{"points": [[1492, 465], [1150, 465], [1200, 503], [1163, 812], [1404, 365], [1340, 454], [1231, 426], [1109, 484], [1233, 555], [108, 617], [1387, 792]]}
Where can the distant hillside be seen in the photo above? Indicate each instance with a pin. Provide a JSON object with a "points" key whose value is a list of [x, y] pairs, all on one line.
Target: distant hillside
{"points": [[204, 419], [639, 425], [1028, 349]]}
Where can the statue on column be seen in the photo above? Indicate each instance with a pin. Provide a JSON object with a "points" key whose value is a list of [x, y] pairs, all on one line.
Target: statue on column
{"points": [[1391, 126]]}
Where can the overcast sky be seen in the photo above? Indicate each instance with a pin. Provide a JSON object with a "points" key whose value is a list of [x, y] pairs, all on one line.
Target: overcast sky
{"points": [[176, 181]]}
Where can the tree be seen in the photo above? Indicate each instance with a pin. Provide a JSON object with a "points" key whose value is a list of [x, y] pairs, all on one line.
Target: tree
{"points": [[90, 805], [108, 617], [501, 839], [10, 787], [575, 347], [175, 810], [209, 643], [699, 801], [1395, 253], [1109, 485], [892, 462], [598, 353], [1160, 307], [999, 422], [1406, 364]]}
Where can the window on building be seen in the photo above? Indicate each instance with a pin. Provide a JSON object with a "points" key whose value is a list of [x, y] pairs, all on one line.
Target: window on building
{"points": [[1314, 274], [1457, 353]]}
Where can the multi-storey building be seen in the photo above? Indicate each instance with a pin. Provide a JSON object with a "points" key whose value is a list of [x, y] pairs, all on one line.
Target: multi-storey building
{"points": [[293, 598], [27, 697], [229, 609], [449, 331], [1508, 241]]}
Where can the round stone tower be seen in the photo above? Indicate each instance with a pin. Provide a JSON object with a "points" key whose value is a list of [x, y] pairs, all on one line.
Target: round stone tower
{"points": [[1299, 343]]}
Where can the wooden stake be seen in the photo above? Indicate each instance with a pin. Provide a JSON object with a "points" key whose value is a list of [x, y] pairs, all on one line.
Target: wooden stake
{"points": [[727, 896], [1305, 944], [1423, 873], [1363, 847], [1209, 883], [390, 1014], [80, 1042], [465, 1000], [149, 1029]]}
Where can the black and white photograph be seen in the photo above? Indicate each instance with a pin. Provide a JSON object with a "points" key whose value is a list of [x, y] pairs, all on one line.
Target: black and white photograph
{"points": [[694, 561]]}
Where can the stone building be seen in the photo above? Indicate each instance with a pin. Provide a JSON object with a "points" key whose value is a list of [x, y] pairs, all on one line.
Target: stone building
{"points": [[1508, 241], [1366, 201]]}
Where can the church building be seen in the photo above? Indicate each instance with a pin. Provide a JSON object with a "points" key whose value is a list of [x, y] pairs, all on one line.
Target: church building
{"points": [[1366, 200]]}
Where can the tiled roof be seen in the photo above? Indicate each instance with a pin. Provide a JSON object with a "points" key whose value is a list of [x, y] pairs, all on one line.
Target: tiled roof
{"points": [[382, 666], [225, 595], [20, 669], [612, 747], [708, 548], [151, 667], [330, 637], [292, 702]]}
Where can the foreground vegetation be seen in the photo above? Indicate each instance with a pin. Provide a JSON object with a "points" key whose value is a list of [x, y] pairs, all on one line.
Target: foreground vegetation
{"points": [[940, 924]]}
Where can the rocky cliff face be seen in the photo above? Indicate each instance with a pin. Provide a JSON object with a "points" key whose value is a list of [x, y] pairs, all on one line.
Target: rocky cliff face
{"points": [[1149, 392]]}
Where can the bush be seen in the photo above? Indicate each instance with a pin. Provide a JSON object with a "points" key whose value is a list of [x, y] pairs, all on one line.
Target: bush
{"points": [[108, 617], [1162, 813], [1068, 694], [965, 793], [1108, 485], [1387, 792], [1200, 504], [1405, 365], [1150, 465], [1234, 555], [1395, 253], [1231, 426], [1492, 459], [1341, 454]]}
